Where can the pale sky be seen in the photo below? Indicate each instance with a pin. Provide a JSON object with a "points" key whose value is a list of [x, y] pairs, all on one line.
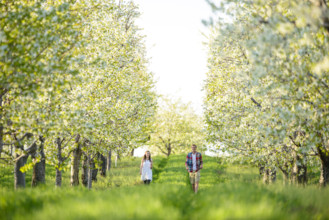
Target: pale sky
{"points": [[174, 39]]}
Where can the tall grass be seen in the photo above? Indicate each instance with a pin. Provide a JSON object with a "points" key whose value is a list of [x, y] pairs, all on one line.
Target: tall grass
{"points": [[226, 192]]}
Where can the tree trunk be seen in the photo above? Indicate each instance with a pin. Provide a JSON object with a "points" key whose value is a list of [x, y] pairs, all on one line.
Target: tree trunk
{"points": [[39, 169], [38, 176], [269, 175], [85, 167], [265, 176], [1, 136], [109, 160], [132, 152], [324, 178], [1, 125], [299, 170], [285, 170], [89, 173], [272, 175], [77, 152], [261, 170], [58, 177], [324, 157], [302, 178], [103, 165], [20, 176], [19, 163], [116, 160], [285, 175], [94, 170], [58, 182], [169, 150]]}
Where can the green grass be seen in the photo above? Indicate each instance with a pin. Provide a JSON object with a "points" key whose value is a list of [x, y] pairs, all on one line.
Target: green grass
{"points": [[125, 174], [226, 192]]}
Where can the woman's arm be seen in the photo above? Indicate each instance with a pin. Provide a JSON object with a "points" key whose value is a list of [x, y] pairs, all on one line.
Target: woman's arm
{"points": [[141, 167]]}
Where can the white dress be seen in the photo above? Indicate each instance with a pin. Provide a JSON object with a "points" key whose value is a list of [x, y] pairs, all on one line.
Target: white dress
{"points": [[146, 170]]}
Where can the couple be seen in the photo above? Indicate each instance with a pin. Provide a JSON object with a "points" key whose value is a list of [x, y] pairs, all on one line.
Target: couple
{"points": [[193, 165]]}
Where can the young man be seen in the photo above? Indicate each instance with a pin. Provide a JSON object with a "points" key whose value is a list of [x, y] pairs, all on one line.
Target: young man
{"points": [[193, 165]]}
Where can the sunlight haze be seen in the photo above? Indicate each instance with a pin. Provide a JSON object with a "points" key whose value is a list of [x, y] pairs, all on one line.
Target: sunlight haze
{"points": [[174, 42]]}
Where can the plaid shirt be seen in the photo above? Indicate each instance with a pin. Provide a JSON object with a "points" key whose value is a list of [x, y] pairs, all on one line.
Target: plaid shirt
{"points": [[189, 161]]}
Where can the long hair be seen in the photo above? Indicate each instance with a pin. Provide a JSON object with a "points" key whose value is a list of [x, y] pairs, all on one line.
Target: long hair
{"points": [[144, 158]]}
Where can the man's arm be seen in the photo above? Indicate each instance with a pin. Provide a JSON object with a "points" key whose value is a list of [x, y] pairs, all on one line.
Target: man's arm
{"points": [[186, 165], [201, 161]]}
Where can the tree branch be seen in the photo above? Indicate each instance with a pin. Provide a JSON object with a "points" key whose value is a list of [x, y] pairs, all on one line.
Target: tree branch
{"points": [[69, 154], [255, 102], [31, 150], [316, 77], [162, 140], [297, 145], [26, 135], [67, 141], [161, 150], [3, 92]]}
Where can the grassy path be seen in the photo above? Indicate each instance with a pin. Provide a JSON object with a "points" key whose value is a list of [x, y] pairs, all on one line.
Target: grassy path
{"points": [[235, 192], [225, 192]]}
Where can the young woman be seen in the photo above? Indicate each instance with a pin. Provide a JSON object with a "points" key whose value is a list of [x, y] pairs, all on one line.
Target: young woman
{"points": [[146, 168]]}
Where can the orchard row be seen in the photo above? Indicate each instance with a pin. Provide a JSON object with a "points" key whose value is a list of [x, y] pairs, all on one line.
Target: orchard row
{"points": [[268, 86], [73, 84]]}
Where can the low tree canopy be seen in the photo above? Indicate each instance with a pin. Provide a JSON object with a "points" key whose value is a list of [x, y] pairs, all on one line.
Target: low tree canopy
{"points": [[176, 128]]}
